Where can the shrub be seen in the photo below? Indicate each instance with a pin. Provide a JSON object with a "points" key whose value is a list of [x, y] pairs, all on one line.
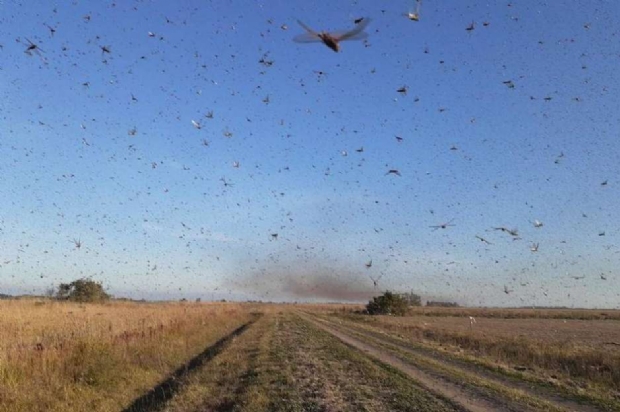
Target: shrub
{"points": [[388, 304], [82, 290]]}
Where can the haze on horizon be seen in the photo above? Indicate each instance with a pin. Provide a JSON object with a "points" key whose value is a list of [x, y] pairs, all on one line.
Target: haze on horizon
{"points": [[195, 150]]}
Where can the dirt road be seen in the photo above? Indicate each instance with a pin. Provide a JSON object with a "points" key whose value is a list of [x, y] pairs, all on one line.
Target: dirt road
{"points": [[473, 388], [297, 361]]}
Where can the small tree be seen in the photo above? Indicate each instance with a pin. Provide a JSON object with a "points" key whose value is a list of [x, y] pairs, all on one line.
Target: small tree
{"points": [[82, 290], [388, 304]]}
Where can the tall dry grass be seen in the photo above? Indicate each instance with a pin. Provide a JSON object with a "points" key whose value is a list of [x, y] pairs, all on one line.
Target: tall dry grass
{"points": [[57, 356]]}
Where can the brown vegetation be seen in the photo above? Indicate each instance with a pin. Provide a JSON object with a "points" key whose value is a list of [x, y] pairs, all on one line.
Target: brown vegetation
{"points": [[64, 356], [60, 356]]}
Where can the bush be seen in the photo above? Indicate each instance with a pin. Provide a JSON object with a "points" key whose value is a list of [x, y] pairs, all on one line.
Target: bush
{"points": [[82, 290], [388, 304]]}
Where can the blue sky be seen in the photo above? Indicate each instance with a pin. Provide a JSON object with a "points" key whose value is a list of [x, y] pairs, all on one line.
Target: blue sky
{"points": [[100, 147]]}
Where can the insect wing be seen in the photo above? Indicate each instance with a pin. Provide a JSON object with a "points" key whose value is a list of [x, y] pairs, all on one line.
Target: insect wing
{"points": [[306, 38], [356, 34], [344, 35], [310, 37], [308, 29]]}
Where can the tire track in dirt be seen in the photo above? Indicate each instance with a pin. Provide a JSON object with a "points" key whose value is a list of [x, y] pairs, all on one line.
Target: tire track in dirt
{"points": [[550, 395], [436, 379], [439, 387], [245, 347], [157, 397], [328, 376]]}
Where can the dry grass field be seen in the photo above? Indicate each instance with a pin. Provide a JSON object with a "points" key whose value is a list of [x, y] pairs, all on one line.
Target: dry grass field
{"points": [[70, 357], [183, 357], [593, 334], [518, 313]]}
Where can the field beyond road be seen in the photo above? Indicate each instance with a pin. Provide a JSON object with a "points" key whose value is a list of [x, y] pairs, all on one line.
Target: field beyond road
{"points": [[131, 357]]}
